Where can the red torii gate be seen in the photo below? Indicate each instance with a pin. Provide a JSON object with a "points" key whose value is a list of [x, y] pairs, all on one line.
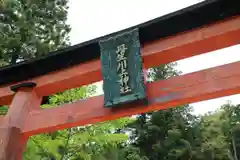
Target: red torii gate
{"points": [[25, 118]]}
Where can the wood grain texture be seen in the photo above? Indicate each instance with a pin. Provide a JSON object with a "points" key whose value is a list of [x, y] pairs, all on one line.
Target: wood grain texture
{"points": [[195, 42]]}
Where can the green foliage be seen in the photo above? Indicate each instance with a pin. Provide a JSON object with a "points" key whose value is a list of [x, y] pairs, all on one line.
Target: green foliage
{"points": [[176, 134], [70, 96], [231, 123], [31, 28], [86, 142], [213, 144], [3, 110], [163, 72], [165, 134]]}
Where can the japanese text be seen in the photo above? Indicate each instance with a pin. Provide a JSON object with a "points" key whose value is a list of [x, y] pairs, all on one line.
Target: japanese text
{"points": [[122, 69]]}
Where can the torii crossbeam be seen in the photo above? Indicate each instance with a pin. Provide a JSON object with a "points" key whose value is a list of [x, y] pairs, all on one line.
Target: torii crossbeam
{"points": [[195, 30]]}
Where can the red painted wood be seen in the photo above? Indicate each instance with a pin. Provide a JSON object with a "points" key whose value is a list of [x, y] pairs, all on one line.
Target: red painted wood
{"points": [[195, 42], [12, 141], [202, 85], [199, 41], [1, 119]]}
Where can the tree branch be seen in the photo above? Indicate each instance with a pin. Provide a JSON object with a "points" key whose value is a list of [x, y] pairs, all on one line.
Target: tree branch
{"points": [[67, 142]]}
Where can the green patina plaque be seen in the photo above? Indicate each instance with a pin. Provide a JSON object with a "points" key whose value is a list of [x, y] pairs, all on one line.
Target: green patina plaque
{"points": [[123, 79]]}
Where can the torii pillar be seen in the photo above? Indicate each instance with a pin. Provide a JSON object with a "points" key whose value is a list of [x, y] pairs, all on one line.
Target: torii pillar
{"points": [[12, 141]]}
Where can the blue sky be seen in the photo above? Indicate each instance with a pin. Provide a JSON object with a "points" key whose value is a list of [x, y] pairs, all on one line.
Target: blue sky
{"points": [[93, 18]]}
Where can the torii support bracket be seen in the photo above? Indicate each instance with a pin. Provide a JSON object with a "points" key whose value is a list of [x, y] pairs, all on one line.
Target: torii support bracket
{"points": [[25, 118]]}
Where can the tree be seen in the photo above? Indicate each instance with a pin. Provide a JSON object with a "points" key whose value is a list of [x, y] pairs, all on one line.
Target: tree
{"points": [[31, 28], [99, 141], [231, 128], [165, 134], [213, 145], [220, 134]]}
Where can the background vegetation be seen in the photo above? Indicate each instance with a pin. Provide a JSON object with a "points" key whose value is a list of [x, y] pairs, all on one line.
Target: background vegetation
{"points": [[32, 28]]}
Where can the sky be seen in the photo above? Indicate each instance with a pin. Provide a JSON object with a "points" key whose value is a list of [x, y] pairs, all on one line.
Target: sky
{"points": [[90, 19]]}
